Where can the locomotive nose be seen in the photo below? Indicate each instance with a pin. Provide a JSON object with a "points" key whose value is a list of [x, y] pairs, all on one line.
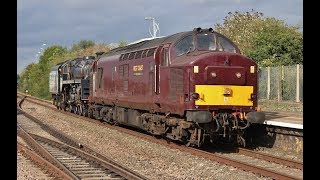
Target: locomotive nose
{"points": [[234, 75], [226, 80]]}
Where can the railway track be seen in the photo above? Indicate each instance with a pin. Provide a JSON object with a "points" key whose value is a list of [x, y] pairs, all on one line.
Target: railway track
{"points": [[259, 155], [271, 158], [209, 155], [50, 170], [74, 162]]}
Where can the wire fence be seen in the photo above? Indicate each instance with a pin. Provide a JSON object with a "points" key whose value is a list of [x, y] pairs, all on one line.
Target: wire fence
{"points": [[283, 83]]}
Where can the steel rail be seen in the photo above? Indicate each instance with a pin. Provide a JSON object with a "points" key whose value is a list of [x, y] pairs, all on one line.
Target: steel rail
{"points": [[56, 172], [271, 158]]}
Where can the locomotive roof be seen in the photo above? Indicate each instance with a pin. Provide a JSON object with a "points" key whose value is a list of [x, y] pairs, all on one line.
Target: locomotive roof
{"points": [[146, 44]]}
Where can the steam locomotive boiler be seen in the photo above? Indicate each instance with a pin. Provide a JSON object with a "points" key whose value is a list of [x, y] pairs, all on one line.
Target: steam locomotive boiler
{"points": [[69, 84], [191, 87]]}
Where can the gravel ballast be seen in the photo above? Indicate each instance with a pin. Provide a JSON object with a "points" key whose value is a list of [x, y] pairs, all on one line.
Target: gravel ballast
{"points": [[149, 159]]}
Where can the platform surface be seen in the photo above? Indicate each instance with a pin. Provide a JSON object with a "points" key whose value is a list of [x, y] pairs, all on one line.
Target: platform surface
{"points": [[284, 119]]}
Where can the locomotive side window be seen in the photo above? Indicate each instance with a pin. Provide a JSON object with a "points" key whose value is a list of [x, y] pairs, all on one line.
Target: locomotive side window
{"points": [[100, 72], [144, 53], [131, 56], [121, 56], [150, 52], [225, 45], [206, 41], [184, 46], [138, 55], [125, 57]]}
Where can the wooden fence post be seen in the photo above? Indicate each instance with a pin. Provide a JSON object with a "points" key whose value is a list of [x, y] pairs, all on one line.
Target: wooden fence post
{"points": [[279, 83], [298, 85], [268, 86]]}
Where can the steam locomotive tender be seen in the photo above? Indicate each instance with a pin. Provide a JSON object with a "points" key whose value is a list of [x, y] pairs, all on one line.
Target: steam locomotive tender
{"points": [[193, 87]]}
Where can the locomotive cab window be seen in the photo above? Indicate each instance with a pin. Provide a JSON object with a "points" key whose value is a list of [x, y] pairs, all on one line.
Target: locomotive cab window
{"points": [[225, 45], [206, 41], [184, 46]]}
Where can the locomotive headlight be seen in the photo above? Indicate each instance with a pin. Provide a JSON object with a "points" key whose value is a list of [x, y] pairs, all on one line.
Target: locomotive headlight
{"points": [[251, 69], [238, 75], [213, 74], [227, 91]]}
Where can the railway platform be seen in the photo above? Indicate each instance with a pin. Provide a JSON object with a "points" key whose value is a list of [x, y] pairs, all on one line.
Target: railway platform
{"points": [[284, 119]]}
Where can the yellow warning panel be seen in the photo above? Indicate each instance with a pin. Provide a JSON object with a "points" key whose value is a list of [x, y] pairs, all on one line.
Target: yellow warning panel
{"points": [[224, 95]]}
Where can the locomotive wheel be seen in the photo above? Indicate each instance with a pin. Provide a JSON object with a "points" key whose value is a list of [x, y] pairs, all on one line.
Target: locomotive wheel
{"points": [[85, 113], [75, 109], [70, 109], [80, 110], [90, 113], [63, 107]]}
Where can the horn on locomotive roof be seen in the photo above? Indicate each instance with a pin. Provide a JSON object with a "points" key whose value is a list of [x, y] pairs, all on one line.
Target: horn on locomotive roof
{"points": [[197, 29]]}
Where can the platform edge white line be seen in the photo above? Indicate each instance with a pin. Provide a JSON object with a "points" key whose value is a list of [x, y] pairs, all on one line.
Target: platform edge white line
{"points": [[283, 124]]}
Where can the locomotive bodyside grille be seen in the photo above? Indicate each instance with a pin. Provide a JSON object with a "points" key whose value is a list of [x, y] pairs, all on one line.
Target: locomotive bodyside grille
{"points": [[176, 84]]}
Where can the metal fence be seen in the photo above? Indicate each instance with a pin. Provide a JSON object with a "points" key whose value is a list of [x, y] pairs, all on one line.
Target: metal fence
{"points": [[284, 83]]}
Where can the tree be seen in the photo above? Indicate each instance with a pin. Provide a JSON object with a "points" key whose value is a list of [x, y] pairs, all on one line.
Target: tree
{"points": [[122, 44], [240, 28], [266, 40], [18, 80], [277, 44], [24, 78], [82, 44], [46, 57]]}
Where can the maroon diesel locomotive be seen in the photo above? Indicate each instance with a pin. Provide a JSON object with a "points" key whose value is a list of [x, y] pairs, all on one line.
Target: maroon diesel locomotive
{"points": [[193, 87]]}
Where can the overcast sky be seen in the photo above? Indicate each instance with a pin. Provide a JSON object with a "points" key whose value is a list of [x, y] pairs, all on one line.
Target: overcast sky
{"points": [[64, 22]]}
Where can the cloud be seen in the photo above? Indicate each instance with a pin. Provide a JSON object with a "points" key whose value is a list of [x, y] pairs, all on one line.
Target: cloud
{"points": [[64, 22]]}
